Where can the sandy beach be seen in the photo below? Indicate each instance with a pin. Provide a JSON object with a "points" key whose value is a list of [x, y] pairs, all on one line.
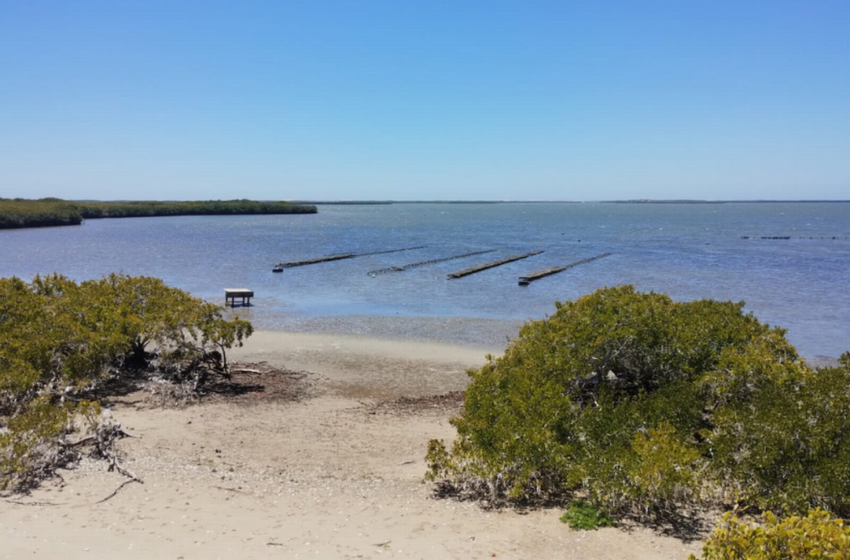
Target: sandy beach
{"points": [[324, 460]]}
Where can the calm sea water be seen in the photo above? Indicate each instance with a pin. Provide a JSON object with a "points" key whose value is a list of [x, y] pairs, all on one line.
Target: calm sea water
{"points": [[688, 251]]}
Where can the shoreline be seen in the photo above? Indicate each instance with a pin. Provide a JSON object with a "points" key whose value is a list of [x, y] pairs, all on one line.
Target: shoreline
{"points": [[492, 335], [473, 332], [367, 367], [335, 471]]}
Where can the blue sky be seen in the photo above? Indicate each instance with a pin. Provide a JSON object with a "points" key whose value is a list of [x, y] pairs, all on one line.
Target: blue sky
{"points": [[364, 99]]}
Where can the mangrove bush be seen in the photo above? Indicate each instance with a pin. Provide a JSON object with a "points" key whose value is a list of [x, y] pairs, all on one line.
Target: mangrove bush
{"points": [[643, 405], [815, 535], [60, 341]]}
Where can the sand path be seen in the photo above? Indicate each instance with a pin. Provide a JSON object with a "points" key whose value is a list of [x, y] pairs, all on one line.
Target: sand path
{"points": [[328, 475]]}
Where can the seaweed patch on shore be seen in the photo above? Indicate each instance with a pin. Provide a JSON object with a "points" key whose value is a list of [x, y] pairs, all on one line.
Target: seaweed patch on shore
{"points": [[249, 383], [254, 383]]}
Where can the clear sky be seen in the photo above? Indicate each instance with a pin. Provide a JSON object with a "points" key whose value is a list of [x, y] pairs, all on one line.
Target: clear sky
{"points": [[425, 99]]}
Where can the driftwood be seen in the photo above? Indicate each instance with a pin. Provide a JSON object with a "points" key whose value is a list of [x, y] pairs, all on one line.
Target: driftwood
{"points": [[19, 503], [122, 485], [116, 433], [103, 441], [245, 370]]}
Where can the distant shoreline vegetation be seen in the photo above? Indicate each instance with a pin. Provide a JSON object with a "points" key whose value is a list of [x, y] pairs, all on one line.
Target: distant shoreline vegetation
{"points": [[633, 201], [23, 213], [388, 202]]}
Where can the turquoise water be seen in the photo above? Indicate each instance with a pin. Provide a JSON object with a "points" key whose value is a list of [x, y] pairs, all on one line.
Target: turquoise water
{"points": [[688, 251]]}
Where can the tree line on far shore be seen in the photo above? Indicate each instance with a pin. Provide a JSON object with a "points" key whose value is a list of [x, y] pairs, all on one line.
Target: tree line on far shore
{"points": [[23, 213]]}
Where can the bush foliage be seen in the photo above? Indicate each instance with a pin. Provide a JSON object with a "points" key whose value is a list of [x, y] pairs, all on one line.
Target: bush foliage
{"points": [[645, 405], [817, 535], [583, 516], [59, 340]]}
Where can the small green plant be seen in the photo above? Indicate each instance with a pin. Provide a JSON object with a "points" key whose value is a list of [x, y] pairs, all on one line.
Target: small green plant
{"points": [[584, 516], [817, 535]]}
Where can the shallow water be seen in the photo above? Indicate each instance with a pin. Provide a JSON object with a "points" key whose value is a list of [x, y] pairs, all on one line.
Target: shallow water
{"points": [[688, 251]]}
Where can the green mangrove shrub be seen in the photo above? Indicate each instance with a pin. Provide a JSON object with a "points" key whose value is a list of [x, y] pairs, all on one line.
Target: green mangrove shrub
{"points": [[60, 340], [645, 405], [816, 535]]}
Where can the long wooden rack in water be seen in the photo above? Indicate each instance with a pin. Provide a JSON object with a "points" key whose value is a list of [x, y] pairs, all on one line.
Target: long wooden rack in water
{"points": [[479, 268], [280, 266], [525, 280], [403, 267]]}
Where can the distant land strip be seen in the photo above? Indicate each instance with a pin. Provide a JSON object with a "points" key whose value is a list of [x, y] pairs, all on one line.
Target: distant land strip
{"points": [[697, 201], [630, 201], [388, 202], [23, 213]]}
